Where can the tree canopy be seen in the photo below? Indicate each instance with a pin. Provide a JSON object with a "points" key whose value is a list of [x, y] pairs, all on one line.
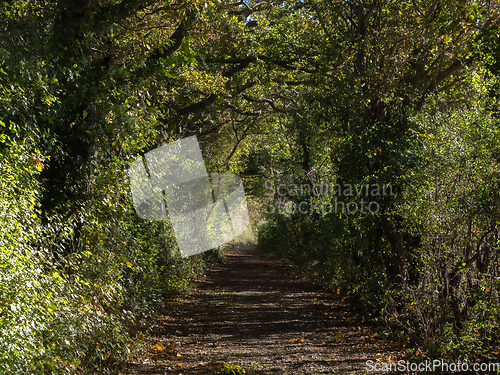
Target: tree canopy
{"points": [[348, 93]]}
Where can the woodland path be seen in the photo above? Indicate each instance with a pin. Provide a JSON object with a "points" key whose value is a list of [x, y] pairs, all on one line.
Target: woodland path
{"points": [[254, 312]]}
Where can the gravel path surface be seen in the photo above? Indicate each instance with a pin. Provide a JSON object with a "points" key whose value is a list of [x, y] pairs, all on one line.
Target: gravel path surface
{"points": [[253, 313]]}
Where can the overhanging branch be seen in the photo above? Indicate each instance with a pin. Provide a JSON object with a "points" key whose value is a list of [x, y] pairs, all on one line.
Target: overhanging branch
{"points": [[175, 40], [267, 101]]}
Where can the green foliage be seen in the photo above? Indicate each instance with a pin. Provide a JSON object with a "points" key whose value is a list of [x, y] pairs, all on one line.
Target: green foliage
{"points": [[50, 321], [72, 312], [344, 92], [452, 203], [232, 369], [378, 108]]}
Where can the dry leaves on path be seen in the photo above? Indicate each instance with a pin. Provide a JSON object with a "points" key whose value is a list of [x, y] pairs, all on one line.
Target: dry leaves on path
{"points": [[252, 315]]}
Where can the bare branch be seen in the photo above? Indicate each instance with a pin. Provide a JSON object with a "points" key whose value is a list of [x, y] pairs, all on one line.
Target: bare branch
{"points": [[118, 12], [267, 101], [241, 111], [198, 106], [175, 40]]}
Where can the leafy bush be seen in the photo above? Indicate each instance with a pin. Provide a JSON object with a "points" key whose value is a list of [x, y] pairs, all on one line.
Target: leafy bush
{"points": [[441, 286], [73, 289], [232, 369]]}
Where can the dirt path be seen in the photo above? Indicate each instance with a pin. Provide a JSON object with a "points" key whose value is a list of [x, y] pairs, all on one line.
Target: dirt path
{"points": [[253, 312]]}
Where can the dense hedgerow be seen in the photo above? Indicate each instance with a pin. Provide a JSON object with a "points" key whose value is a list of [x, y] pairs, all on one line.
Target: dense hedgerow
{"points": [[71, 306], [443, 292]]}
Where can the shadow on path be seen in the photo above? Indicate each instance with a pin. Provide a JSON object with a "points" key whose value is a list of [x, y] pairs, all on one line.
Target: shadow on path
{"points": [[253, 312]]}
